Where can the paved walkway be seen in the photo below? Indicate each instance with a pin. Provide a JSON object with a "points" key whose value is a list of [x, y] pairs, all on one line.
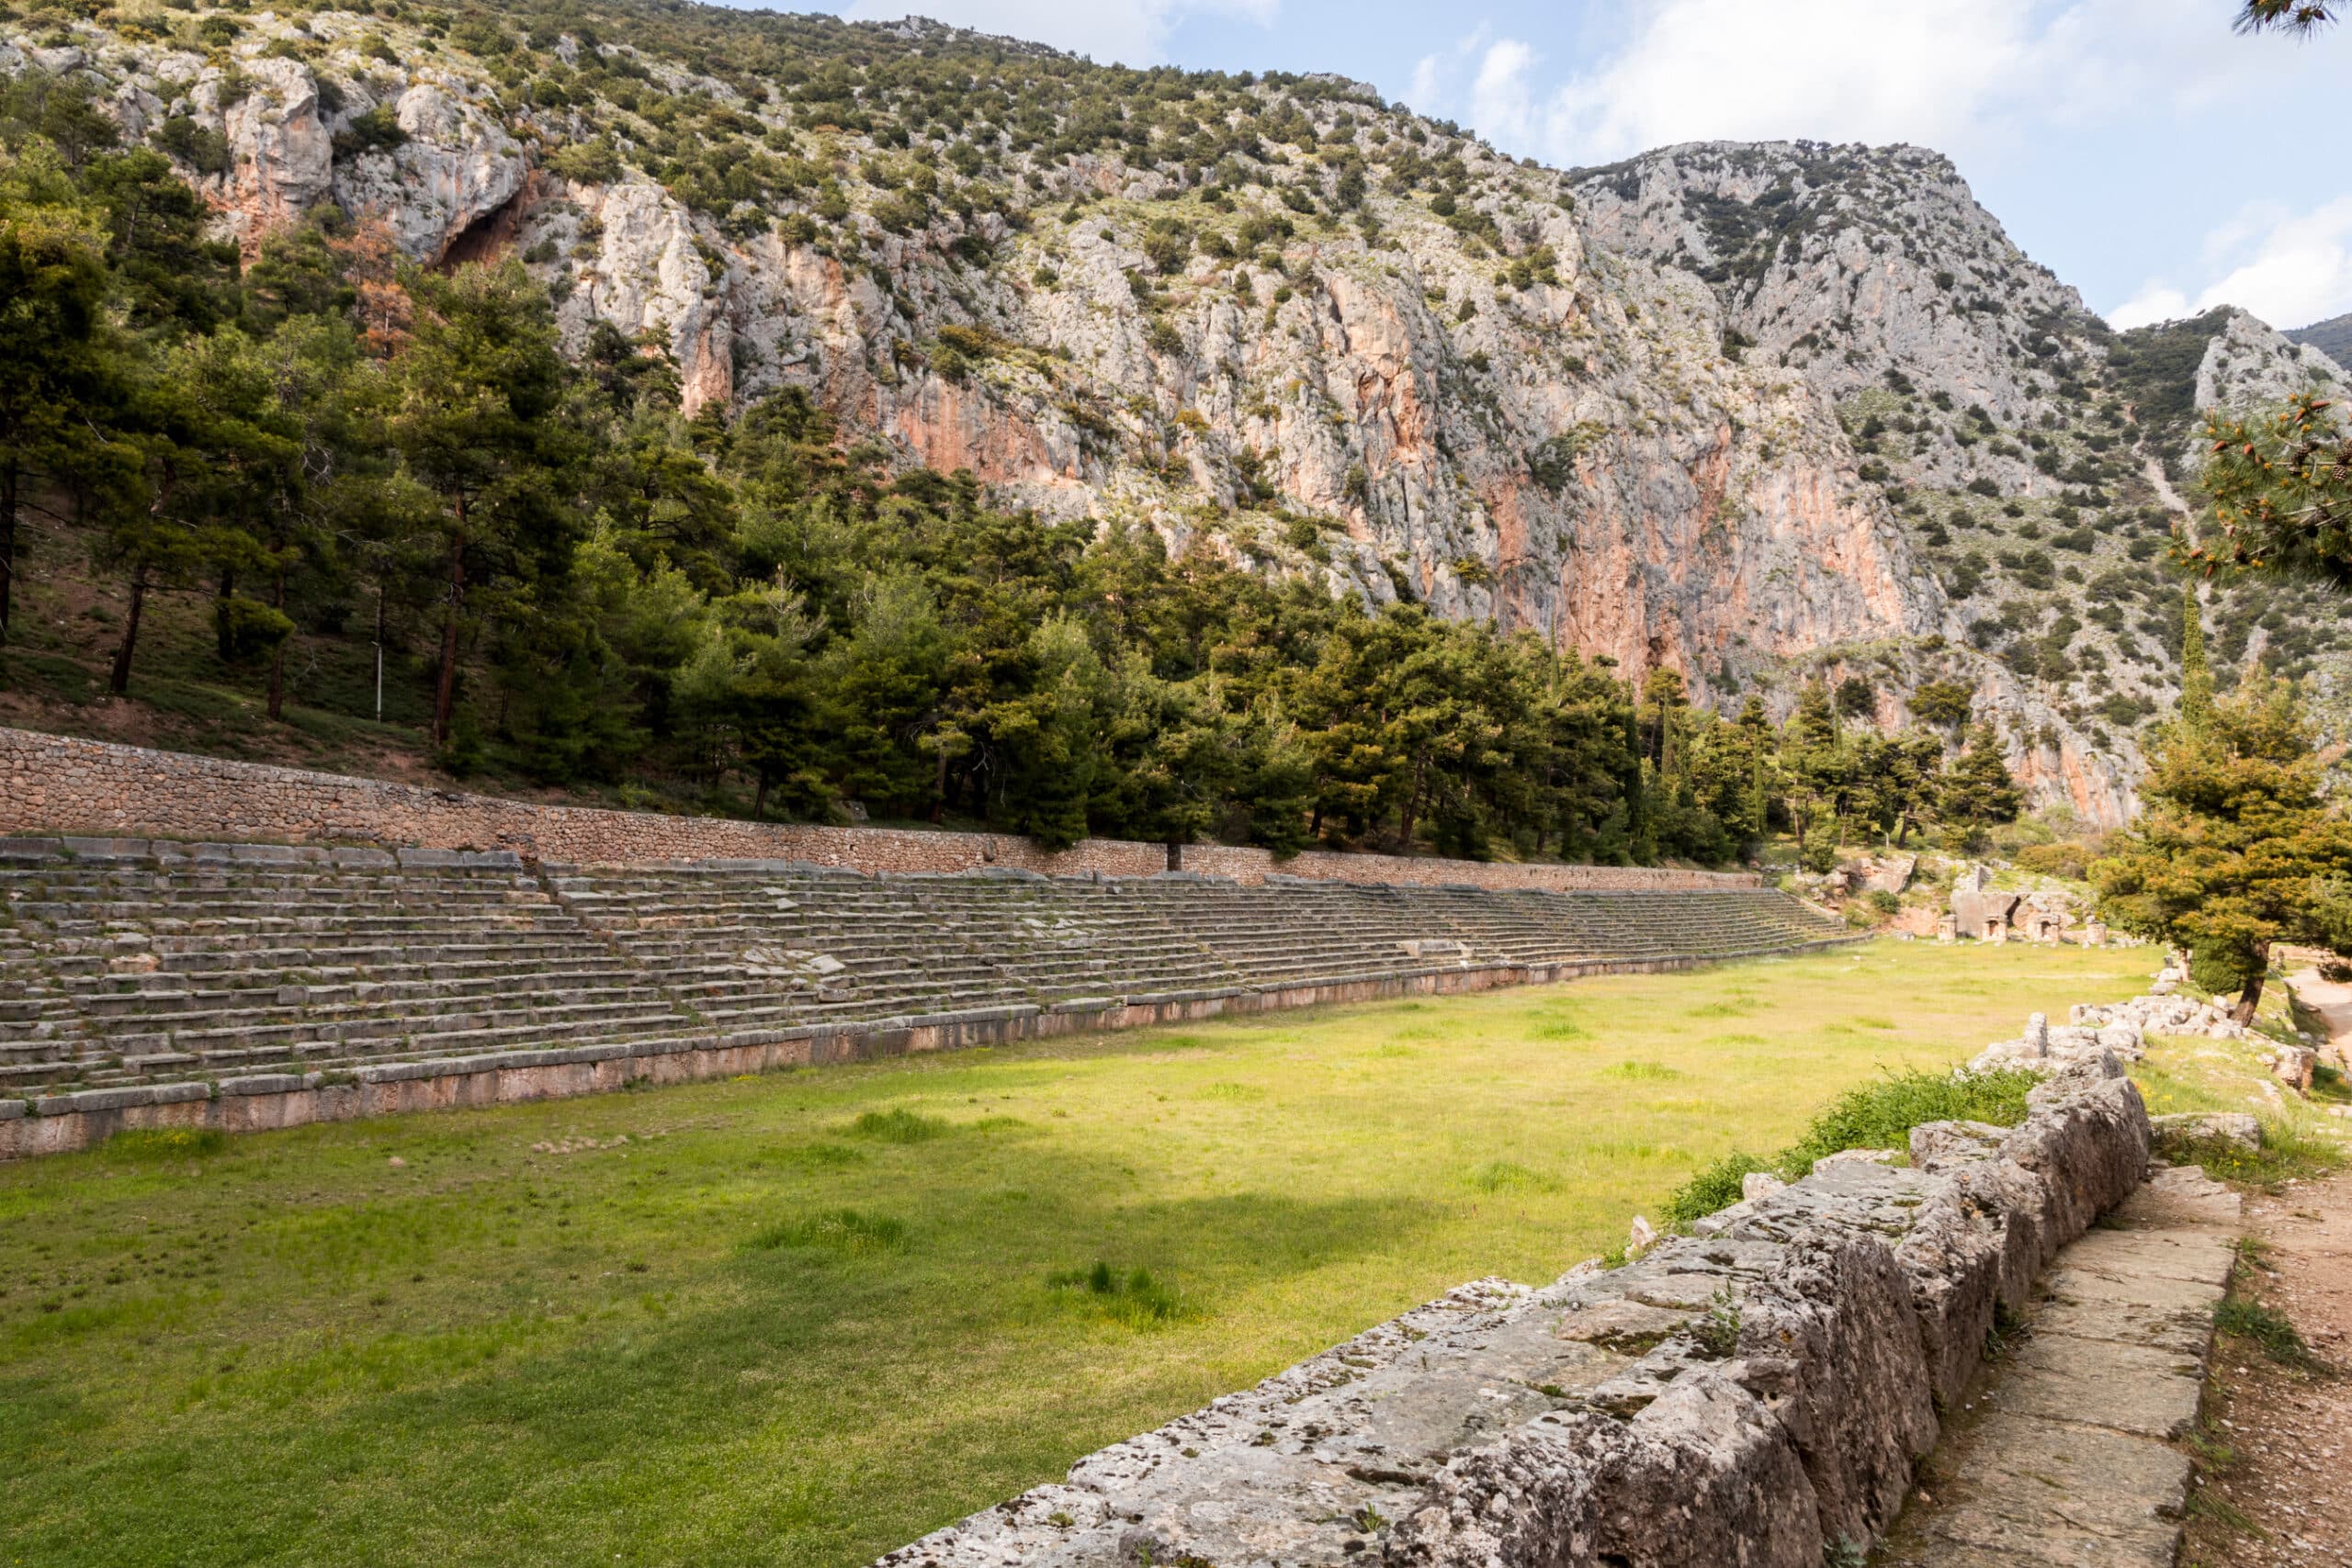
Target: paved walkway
{"points": [[2067, 1454]]}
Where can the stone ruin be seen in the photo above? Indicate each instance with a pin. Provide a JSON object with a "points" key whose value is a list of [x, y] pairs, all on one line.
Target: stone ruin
{"points": [[1756, 1393]]}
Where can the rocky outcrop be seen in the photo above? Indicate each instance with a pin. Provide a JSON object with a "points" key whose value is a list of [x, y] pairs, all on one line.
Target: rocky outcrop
{"points": [[1755, 1393], [2025, 444], [1717, 409]]}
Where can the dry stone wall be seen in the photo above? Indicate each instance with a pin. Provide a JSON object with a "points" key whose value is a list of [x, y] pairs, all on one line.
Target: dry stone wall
{"points": [[52, 783], [1754, 1394]]}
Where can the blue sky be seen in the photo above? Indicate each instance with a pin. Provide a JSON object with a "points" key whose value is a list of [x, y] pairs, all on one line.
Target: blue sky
{"points": [[2139, 149]]}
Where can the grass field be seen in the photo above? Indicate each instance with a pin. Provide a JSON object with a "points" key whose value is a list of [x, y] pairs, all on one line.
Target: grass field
{"points": [[802, 1318]]}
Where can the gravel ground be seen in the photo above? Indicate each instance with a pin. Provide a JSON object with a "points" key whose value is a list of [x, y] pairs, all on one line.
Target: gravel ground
{"points": [[2280, 1500]]}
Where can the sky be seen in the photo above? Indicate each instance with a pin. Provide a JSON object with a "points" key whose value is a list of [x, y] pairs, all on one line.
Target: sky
{"points": [[2139, 149]]}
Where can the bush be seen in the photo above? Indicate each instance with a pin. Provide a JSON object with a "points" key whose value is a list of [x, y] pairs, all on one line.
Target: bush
{"points": [[201, 148], [246, 630], [2071, 861], [1713, 1188], [1880, 1115], [379, 129]]}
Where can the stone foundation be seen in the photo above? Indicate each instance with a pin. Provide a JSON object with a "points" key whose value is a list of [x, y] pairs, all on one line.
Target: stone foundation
{"points": [[52, 783]]}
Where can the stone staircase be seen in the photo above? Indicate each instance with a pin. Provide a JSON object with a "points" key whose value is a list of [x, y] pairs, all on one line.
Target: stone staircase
{"points": [[130, 962]]}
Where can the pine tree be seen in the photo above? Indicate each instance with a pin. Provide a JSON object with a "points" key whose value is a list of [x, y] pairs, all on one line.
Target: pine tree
{"points": [[2237, 848], [2196, 675], [1979, 790]]}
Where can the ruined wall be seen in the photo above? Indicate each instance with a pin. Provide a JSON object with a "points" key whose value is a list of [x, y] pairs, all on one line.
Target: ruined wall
{"points": [[52, 783], [1754, 1394]]}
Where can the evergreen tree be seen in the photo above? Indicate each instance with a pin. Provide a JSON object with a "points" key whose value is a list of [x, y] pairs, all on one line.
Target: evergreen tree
{"points": [[476, 415], [59, 378], [1979, 790], [2196, 675], [2237, 848]]}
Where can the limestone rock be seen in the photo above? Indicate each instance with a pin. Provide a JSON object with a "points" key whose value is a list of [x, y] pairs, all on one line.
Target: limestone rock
{"points": [[2233, 1126]]}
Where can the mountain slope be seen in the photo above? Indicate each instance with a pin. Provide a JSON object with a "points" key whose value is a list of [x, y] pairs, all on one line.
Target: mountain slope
{"points": [[2034, 455], [1715, 409], [2331, 337]]}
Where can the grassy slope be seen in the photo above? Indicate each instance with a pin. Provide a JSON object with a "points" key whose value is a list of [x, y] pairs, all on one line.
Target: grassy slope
{"points": [[292, 1351]]}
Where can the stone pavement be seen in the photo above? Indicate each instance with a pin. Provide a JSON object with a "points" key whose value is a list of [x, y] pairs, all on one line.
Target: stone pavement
{"points": [[2066, 1453]]}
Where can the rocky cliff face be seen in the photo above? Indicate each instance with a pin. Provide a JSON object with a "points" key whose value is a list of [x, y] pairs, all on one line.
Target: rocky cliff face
{"points": [[1644, 412], [2030, 451]]}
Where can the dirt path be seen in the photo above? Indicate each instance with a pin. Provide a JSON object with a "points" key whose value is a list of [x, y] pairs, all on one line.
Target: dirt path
{"points": [[2290, 1431]]}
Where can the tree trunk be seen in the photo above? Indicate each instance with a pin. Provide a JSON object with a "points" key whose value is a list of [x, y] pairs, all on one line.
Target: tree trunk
{"points": [[2250, 998], [760, 796], [120, 682], [939, 787], [278, 658], [7, 541], [444, 697]]}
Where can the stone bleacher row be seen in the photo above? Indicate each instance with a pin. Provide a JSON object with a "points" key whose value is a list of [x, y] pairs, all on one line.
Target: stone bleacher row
{"points": [[130, 962]]}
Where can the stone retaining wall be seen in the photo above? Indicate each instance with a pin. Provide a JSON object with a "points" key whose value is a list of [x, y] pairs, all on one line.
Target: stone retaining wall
{"points": [[52, 783], [1756, 1395], [63, 1123]]}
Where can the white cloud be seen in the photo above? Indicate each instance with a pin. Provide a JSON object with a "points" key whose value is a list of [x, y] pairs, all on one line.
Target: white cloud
{"points": [[1128, 32], [1501, 105], [2290, 268], [1965, 76], [1761, 69], [2155, 302]]}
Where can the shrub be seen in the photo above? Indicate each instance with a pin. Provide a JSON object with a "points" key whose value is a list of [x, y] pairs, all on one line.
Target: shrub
{"points": [[379, 129], [1711, 1188], [204, 150], [1880, 1115]]}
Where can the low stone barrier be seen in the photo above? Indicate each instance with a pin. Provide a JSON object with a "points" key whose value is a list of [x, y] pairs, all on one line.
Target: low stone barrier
{"points": [[1756, 1395], [54, 783], [63, 1123]]}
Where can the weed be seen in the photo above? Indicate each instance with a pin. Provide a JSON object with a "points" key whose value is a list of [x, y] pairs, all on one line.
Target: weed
{"points": [[1880, 1115], [843, 1230], [1559, 1029], [899, 1126], [1508, 1175], [1134, 1298], [2267, 1327], [1368, 1519], [2285, 1154], [1716, 1330], [2001, 1330], [1640, 1072], [165, 1143], [1845, 1553], [2205, 1504], [818, 1155], [1717, 1186]]}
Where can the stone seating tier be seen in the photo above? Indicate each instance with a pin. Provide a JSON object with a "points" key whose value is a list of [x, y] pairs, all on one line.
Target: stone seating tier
{"points": [[127, 961]]}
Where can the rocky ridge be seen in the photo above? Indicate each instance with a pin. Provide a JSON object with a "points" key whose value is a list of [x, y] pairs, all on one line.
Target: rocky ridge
{"points": [[1645, 413], [2036, 456]]}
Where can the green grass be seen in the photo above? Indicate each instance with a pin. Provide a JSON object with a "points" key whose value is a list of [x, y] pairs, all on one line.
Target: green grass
{"points": [[803, 1318]]}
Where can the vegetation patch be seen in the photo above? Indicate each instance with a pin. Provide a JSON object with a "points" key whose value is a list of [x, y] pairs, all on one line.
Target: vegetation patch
{"points": [[1135, 1297], [899, 1125], [841, 1230]]}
